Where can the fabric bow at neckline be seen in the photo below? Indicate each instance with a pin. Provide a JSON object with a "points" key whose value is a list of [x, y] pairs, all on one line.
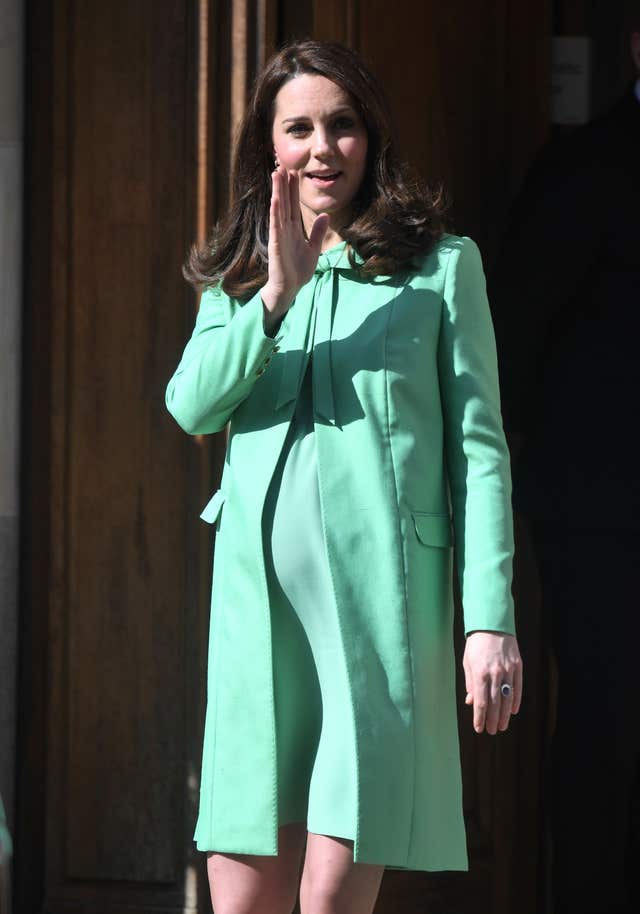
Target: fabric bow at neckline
{"points": [[336, 256], [316, 304]]}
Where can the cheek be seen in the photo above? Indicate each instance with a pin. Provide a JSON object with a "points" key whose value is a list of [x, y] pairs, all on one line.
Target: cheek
{"points": [[289, 153], [354, 149]]}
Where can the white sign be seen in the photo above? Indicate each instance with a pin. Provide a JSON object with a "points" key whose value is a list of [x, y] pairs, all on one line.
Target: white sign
{"points": [[571, 79]]}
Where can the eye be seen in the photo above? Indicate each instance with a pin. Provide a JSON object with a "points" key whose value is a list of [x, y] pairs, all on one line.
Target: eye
{"points": [[298, 128], [344, 122]]}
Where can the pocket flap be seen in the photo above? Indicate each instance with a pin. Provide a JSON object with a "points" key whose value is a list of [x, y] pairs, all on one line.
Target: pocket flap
{"points": [[433, 529], [212, 509]]}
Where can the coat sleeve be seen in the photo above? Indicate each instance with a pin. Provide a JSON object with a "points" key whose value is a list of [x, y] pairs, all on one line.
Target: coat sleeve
{"points": [[224, 358], [476, 452]]}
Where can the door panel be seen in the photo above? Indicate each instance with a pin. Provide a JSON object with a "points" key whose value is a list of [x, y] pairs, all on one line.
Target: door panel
{"points": [[113, 535]]}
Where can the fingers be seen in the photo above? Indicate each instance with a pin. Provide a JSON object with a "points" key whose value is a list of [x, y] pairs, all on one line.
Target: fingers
{"points": [[318, 231], [467, 682], [285, 183], [295, 196], [491, 710], [494, 704], [517, 687], [513, 677], [285, 198], [480, 700], [505, 708], [499, 708], [280, 210], [491, 661], [275, 211], [285, 207]]}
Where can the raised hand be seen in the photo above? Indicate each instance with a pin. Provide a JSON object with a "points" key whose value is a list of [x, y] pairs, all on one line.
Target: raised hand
{"points": [[292, 259]]}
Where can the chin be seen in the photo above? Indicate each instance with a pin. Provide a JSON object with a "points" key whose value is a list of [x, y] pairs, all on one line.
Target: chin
{"points": [[325, 205]]}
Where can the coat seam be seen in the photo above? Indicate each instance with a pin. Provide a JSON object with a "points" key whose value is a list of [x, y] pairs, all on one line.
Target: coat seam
{"points": [[275, 817], [356, 745], [445, 447], [272, 707], [404, 574], [215, 634], [272, 711]]}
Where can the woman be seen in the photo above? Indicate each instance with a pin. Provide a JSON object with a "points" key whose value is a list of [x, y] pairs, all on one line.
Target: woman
{"points": [[347, 339]]}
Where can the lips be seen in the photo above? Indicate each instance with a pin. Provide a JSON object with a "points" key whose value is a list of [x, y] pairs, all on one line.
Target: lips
{"points": [[324, 175]]}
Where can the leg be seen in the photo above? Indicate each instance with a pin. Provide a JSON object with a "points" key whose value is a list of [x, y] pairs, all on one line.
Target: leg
{"points": [[252, 884], [332, 883]]}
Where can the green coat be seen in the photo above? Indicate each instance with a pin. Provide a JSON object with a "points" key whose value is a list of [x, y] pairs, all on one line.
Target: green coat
{"points": [[409, 439]]}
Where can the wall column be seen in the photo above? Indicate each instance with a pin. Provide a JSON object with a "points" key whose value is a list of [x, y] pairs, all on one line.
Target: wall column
{"points": [[11, 151]]}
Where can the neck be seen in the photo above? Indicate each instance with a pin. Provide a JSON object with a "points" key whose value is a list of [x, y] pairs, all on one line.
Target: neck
{"points": [[333, 234], [331, 238]]}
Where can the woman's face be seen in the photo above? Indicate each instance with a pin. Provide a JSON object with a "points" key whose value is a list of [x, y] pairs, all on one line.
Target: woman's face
{"points": [[318, 134]]}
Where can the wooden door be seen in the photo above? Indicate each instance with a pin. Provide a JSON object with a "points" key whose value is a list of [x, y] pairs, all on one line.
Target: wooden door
{"points": [[116, 566]]}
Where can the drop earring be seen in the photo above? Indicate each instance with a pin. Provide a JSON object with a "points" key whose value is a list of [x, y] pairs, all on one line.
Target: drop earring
{"points": [[276, 162]]}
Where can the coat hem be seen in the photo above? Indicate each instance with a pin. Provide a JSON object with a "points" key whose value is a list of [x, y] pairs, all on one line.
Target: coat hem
{"points": [[459, 866]]}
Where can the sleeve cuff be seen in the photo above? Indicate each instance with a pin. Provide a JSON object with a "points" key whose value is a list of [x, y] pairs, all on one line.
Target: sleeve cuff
{"points": [[260, 346], [252, 313], [275, 330]]}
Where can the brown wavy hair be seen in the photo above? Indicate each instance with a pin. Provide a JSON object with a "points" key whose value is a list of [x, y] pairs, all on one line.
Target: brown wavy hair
{"points": [[396, 218]]}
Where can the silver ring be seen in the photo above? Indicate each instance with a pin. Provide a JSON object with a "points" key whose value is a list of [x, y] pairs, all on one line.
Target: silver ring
{"points": [[506, 689]]}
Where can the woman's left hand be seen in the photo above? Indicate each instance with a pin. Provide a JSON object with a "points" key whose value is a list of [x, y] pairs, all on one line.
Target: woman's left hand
{"points": [[490, 660]]}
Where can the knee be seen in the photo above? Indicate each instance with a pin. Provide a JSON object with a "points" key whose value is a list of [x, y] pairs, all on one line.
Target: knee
{"points": [[332, 884], [318, 896], [249, 884], [324, 889], [268, 901]]}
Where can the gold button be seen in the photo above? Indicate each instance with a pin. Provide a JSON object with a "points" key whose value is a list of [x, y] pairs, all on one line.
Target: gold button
{"points": [[260, 371], [275, 348], [267, 360]]}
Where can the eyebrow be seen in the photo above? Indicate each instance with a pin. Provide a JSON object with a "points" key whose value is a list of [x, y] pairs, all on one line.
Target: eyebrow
{"points": [[304, 117]]}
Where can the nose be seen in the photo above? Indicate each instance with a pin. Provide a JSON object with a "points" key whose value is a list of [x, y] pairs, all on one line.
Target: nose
{"points": [[322, 146]]}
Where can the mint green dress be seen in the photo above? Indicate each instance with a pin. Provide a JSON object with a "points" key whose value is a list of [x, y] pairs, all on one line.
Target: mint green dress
{"points": [[315, 755]]}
